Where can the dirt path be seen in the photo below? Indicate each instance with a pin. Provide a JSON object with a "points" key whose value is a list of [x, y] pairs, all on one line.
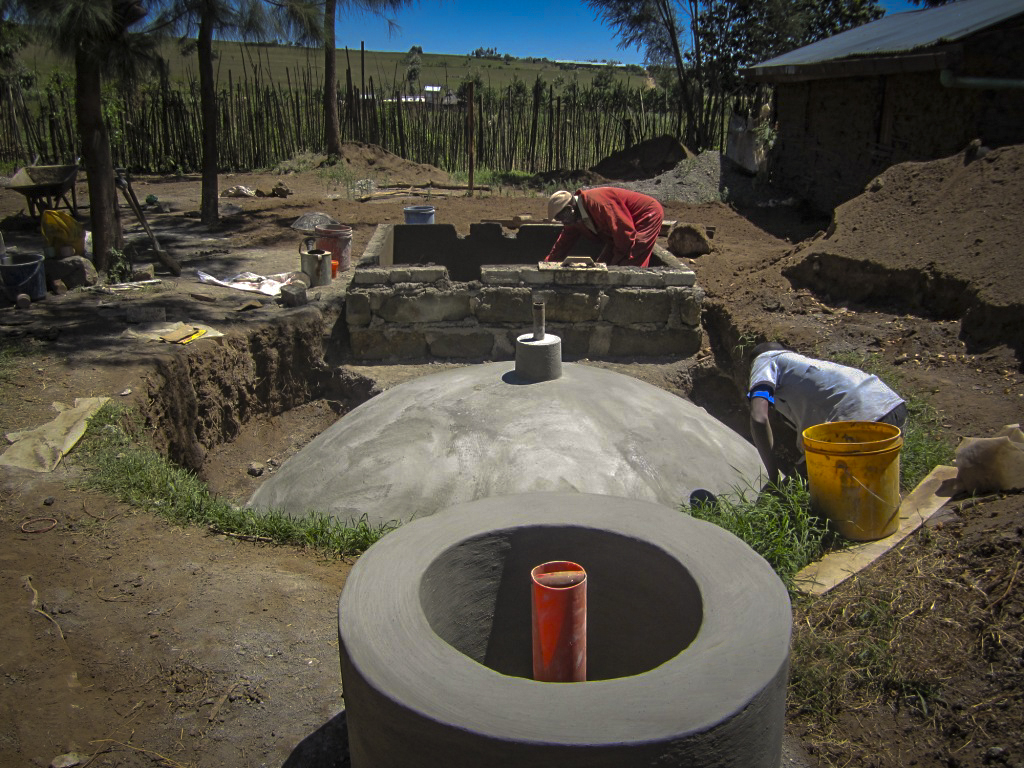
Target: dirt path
{"points": [[184, 648]]}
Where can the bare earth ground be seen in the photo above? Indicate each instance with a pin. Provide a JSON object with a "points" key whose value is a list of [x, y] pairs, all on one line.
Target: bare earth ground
{"points": [[155, 645]]}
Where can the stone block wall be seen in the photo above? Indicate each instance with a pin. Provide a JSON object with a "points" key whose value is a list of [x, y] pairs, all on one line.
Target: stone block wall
{"points": [[410, 312]]}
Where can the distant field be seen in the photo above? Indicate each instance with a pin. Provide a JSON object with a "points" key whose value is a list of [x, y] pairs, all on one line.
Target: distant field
{"points": [[277, 63]]}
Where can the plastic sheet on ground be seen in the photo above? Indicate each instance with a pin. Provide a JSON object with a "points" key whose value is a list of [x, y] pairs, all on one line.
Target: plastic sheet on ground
{"points": [[156, 331], [41, 448], [269, 285]]}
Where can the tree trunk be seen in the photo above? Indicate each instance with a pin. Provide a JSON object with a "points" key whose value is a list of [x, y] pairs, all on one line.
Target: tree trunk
{"points": [[332, 126], [209, 212], [99, 167]]}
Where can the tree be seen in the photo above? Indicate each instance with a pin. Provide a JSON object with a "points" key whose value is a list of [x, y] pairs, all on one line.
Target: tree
{"points": [[245, 19], [332, 125], [95, 35], [705, 43]]}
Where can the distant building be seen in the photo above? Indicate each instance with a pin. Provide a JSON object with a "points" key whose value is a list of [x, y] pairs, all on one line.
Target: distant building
{"points": [[918, 85]]}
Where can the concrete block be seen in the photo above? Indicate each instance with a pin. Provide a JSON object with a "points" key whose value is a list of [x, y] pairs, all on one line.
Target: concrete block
{"points": [[689, 302], [654, 342], [505, 305], [682, 276], [641, 277], [629, 306], [373, 344], [398, 275], [294, 295], [427, 307], [357, 309], [580, 277], [499, 275], [469, 343], [575, 307], [534, 276], [370, 277], [426, 274]]}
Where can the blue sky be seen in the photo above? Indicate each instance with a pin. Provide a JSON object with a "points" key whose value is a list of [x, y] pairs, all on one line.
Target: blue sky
{"points": [[556, 30]]}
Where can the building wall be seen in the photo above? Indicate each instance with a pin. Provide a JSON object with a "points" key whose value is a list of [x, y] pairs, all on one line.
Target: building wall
{"points": [[835, 135]]}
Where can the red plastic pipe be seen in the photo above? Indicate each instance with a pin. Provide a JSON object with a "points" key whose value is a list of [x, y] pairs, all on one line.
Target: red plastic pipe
{"points": [[559, 622]]}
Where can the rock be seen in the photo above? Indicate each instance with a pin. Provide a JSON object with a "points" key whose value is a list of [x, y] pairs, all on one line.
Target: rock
{"points": [[68, 760], [293, 295], [687, 241], [23, 301], [143, 272], [255, 469], [49, 501], [58, 287], [74, 271]]}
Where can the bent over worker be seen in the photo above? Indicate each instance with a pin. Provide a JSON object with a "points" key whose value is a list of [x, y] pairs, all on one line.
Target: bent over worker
{"points": [[805, 392], [627, 222]]}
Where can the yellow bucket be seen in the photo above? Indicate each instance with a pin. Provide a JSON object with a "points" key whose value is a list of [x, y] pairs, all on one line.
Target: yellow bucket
{"points": [[853, 474]]}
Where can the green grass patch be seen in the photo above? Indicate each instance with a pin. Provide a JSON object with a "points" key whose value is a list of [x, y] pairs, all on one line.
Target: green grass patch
{"points": [[776, 523], [12, 357], [118, 462]]}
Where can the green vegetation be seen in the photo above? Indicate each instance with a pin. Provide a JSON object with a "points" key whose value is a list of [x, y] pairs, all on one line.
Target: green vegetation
{"points": [[118, 462], [777, 523]]}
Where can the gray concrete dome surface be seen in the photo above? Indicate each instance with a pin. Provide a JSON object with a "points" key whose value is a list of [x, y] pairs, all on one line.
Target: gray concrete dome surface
{"points": [[688, 632], [478, 431]]}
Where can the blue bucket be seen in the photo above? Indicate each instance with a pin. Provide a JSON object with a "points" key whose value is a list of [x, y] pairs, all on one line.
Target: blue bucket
{"points": [[23, 273], [419, 214]]}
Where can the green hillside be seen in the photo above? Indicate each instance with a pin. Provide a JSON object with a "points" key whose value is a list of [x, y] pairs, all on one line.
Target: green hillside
{"points": [[278, 63]]}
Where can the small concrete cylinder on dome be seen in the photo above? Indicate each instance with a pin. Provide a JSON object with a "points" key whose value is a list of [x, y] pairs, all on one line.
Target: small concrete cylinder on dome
{"points": [[538, 359]]}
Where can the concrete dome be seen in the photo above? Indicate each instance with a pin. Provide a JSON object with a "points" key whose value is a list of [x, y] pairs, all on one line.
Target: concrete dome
{"points": [[480, 431]]}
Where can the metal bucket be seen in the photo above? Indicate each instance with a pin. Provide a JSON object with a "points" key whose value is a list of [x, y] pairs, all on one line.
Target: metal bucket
{"points": [[316, 263]]}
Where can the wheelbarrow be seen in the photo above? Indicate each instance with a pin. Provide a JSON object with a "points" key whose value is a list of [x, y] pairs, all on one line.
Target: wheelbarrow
{"points": [[46, 186]]}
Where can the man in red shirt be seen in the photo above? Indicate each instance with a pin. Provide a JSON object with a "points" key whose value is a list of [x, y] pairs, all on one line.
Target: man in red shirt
{"points": [[627, 222]]}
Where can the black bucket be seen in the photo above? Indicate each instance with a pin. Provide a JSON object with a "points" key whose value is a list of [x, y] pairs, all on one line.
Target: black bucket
{"points": [[23, 273]]}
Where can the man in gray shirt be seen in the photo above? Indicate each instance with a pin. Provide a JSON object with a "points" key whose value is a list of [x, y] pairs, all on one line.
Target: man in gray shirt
{"points": [[805, 392]]}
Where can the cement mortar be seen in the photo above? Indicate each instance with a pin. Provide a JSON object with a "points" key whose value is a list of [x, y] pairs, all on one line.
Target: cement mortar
{"points": [[481, 431], [688, 625]]}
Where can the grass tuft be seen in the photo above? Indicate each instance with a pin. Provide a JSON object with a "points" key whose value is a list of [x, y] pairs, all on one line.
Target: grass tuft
{"points": [[119, 463], [777, 523]]}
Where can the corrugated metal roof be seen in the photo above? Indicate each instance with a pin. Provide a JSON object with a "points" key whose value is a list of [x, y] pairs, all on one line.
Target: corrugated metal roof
{"points": [[903, 32]]}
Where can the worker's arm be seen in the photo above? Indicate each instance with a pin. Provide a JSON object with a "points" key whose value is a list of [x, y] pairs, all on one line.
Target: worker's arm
{"points": [[566, 240], [761, 432]]}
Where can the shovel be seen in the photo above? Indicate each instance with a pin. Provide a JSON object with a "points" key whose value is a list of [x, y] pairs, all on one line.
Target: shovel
{"points": [[129, 195]]}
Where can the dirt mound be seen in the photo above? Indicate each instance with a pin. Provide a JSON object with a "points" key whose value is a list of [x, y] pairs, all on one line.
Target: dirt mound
{"points": [[644, 160], [371, 161], [940, 238], [571, 180]]}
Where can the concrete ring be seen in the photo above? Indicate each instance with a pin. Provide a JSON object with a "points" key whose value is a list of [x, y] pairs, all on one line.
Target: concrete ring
{"points": [[688, 641]]}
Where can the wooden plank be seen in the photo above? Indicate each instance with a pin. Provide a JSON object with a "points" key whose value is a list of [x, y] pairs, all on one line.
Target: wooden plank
{"points": [[919, 505]]}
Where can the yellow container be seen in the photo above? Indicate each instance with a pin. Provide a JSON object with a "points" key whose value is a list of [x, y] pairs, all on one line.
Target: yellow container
{"points": [[853, 474]]}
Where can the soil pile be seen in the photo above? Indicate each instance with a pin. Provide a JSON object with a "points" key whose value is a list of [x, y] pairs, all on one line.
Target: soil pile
{"points": [[373, 162], [644, 160], [941, 238]]}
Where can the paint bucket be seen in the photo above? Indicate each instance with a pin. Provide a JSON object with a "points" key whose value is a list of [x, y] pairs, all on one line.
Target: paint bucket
{"points": [[315, 263], [559, 622], [336, 238], [419, 214], [853, 475], [23, 273]]}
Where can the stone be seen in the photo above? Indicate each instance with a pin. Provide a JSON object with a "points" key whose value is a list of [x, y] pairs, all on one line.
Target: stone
{"points": [[429, 307], [690, 302], [499, 275], [58, 287], [370, 277], [628, 306], [380, 344], [255, 469], [357, 309], [293, 295], [576, 307], [143, 272], [426, 274], [688, 241], [654, 342], [74, 271], [505, 305], [458, 343], [23, 301]]}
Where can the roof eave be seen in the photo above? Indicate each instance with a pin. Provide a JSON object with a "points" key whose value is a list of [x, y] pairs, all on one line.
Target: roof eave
{"points": [[861, 66]]}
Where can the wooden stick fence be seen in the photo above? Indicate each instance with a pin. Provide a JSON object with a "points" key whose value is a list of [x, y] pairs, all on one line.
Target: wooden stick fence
{"points": [[263, 120]]}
